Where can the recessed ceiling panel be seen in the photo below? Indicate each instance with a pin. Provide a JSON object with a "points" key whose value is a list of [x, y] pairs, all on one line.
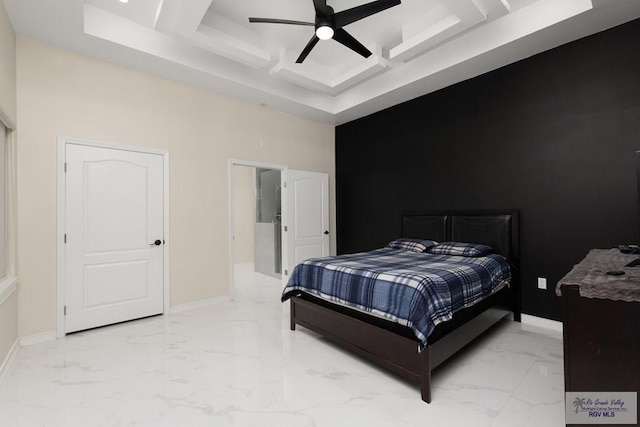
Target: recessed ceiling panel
{"points": [[143, 12], [418, 46]]}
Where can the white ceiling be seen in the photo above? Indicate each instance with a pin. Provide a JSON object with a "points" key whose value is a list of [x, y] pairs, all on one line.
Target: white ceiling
{"points": [[419, 46]]}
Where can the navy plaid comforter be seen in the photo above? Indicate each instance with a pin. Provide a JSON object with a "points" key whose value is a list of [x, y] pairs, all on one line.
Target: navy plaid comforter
{"points": [[413, 289]]}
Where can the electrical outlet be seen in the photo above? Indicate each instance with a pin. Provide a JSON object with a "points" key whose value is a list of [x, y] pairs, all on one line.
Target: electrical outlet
{"points": [[542, 283]]}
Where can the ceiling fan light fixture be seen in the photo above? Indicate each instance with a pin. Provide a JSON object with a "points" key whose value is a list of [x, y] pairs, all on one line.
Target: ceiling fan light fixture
{"points": [[329, 24], [324, 32]]}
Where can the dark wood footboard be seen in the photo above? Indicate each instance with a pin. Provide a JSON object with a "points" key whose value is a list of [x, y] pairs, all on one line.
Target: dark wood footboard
{"points": [[397, 353]]}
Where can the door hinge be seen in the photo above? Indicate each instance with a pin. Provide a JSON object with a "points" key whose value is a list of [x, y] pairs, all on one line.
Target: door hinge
{"points": [[65, 310], [65, 167], [65, 238], [286, 272], [285, 184], [285, 228]]}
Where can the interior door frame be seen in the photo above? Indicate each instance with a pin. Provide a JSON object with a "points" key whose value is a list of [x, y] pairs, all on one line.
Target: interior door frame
{"points": [[251, 164], [62, 218]]}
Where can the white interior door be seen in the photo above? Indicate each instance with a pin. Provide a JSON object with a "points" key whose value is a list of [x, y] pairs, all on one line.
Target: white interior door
{"points": [[305, 218], [114, 236]]}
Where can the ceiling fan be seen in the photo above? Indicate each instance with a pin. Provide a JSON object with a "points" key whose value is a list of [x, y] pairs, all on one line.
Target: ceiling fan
{"points": [[329, 24]]}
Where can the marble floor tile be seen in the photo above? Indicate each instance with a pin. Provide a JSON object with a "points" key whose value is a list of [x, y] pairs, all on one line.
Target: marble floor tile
{"points": [[237, 363]]}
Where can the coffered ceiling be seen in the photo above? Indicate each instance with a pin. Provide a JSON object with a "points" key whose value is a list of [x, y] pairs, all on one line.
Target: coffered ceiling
{"points": [[418, 46]]}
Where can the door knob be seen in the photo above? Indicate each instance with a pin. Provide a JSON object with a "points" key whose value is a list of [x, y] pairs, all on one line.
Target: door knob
{"points": [[326, 231], [156, 243]]}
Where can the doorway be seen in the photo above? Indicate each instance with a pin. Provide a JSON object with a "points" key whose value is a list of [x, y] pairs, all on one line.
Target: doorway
{"points": [[256, 253], [298, 215], [267, 231]]}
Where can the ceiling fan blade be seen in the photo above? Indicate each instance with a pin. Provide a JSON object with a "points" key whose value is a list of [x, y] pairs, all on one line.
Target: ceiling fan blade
{"points": [[354, 14], [320, 6], [341, 36], [307, 49], [279, 21]]}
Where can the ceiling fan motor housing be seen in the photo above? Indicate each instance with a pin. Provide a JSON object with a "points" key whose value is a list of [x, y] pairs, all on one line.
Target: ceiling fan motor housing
{"points": [[328, 24], [325, 20], [325, 26]]}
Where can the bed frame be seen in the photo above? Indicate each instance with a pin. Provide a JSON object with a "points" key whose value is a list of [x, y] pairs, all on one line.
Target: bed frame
{"points": [[394, 347]]}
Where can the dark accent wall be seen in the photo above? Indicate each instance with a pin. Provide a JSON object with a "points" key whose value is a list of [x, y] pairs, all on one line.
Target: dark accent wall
{"points": [[553, 135]]}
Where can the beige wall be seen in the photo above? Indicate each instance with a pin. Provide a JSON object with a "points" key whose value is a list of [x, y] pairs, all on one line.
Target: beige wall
{"points": [[65, 94], [7, 70], [8, 307], [244, 213]]}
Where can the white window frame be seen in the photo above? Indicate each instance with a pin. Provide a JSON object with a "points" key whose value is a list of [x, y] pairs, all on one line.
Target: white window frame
{"points": [[3, 203], [8, 285]]}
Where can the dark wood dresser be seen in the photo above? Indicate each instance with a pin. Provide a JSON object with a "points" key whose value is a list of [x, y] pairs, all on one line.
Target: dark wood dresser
{"points": [[601, 325]]}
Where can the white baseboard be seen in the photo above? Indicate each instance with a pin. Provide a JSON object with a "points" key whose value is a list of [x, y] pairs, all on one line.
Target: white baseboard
{"points": [[541, 322], [200, 304], [6, 364], [37, 338]]}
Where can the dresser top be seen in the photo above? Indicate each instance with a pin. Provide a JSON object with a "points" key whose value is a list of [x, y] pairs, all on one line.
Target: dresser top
{"points": [[590, 275]]}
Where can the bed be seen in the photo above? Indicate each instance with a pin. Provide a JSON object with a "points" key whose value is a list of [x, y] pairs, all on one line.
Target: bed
{"points": [[399, 347]]}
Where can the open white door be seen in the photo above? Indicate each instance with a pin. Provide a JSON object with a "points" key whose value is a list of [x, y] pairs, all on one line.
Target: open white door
{"points": [[114, 236], [305, 218]]}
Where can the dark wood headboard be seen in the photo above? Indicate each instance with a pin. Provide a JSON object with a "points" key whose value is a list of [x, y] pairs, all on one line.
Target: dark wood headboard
{"points": [[498, 229]]}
